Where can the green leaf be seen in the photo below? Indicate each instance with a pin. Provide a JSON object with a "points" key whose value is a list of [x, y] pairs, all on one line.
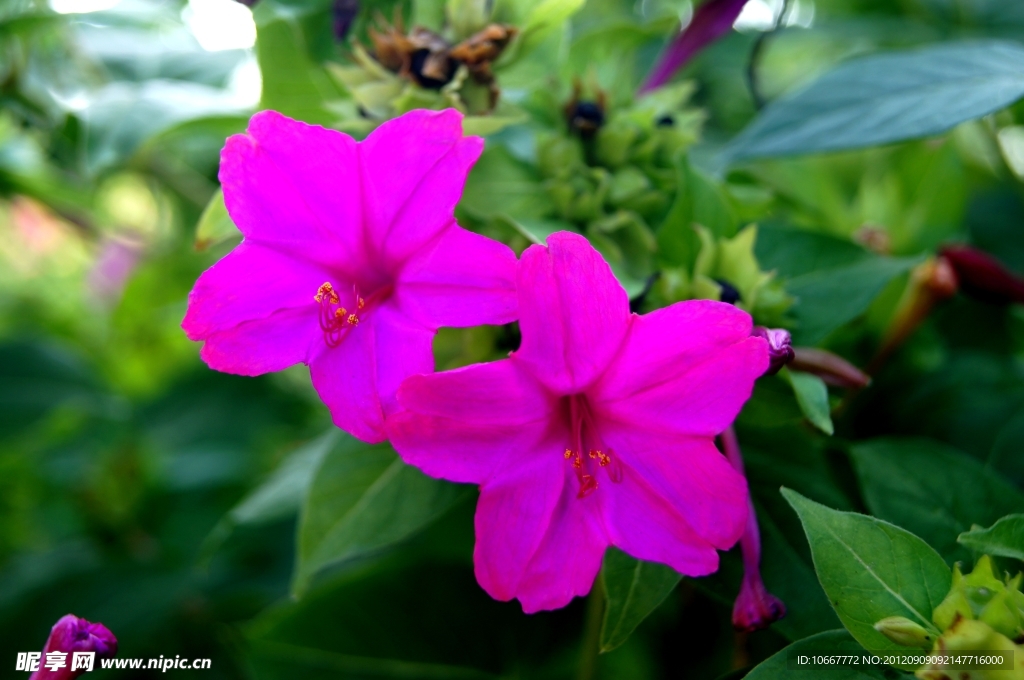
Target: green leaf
{"points": [[501, 185], [871, 569], [780, 667], [932, 489], [546, 16], [699, 201], [792, 251], [215, 225], [634, 589], [284, 490], [364, 499], [827, 299], [1005, 538], [812, 395], [886, 98], [292, 82]]}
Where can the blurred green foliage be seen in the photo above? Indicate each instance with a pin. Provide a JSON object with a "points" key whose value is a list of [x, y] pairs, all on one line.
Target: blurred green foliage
{"points": [[209, 515]]}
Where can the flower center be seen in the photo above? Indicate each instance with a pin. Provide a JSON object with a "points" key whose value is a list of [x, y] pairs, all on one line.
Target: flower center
{"points": [[338, 316], [587, 452]]}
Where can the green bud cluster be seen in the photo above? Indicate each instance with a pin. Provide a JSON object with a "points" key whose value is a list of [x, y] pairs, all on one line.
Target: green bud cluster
{"points": [[983, 597], [617, 184], [981, 613], [731, 261]]}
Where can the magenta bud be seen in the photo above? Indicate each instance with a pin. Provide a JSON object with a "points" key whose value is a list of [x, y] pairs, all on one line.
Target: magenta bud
{"points": [[72, 648], [710, 22], [983, 276], [831, 368], [780, 348], [755, 607]]}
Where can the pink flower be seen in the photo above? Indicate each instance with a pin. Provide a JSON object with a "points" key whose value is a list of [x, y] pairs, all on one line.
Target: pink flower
{"points": [[69, 635], [351, 259], [599, 430]]}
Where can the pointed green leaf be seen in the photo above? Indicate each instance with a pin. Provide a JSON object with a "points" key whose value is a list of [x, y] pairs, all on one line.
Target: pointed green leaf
{"points": [[812, 395], [634, 589], [932, 489], [871, 569], [215, 225], [363, 500], [827, 299], [885, 98], [1005, 538]]}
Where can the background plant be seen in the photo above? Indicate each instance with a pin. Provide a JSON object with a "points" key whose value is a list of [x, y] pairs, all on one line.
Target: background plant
{"points": [[208, 515]]}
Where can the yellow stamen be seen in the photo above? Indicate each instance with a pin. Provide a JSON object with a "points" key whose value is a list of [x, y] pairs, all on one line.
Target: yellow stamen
{"points": [[353, 319], [568, 454]]}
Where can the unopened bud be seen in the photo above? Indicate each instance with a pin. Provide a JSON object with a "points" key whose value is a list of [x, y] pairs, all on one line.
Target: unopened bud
{"points": [[69, 635], [905, 632], [983, 276], [831, 368], [755, 607], [931, 282], [780, 348]]}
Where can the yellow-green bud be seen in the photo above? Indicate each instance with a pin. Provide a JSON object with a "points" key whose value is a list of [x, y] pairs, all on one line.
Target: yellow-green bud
{"points": [[905, 632]]}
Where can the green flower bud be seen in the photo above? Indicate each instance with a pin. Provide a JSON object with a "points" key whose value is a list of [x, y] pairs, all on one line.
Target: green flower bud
{"points": [[559, 156], [983, 597], [976, 637], [625, 184], [614, 142], [905, 632], [1001, 614]]}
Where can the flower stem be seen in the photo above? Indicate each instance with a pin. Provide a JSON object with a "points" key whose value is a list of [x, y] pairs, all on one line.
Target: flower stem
{"points": [[591, 646]]}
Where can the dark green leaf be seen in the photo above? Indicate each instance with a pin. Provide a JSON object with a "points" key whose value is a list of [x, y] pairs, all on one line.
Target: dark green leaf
{"points": [[871, 569], [886, 98], [1005, 538], [932, 489], [634, 589], [827, 299], [833, 642], [792, 252], [364, 499]]}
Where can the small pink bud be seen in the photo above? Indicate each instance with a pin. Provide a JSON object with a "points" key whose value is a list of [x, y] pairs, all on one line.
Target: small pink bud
{"points": [[983, 276], [831, 368], [69, 635], [780, 348]]}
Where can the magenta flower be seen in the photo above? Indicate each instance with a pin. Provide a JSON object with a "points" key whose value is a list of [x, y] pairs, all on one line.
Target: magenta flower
{"points": [[351, 259], [599, 430], [71, 635]]}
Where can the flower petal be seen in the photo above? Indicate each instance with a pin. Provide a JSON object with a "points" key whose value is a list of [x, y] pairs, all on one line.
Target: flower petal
{"points": [[642, 523], [273, 343], [689, 474], [358, 378], [573, 313], [568, 558], [512, 518], [465, 279], [414, 169], [295, 188], [251, 282], [686, 369], [463, 425]]}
